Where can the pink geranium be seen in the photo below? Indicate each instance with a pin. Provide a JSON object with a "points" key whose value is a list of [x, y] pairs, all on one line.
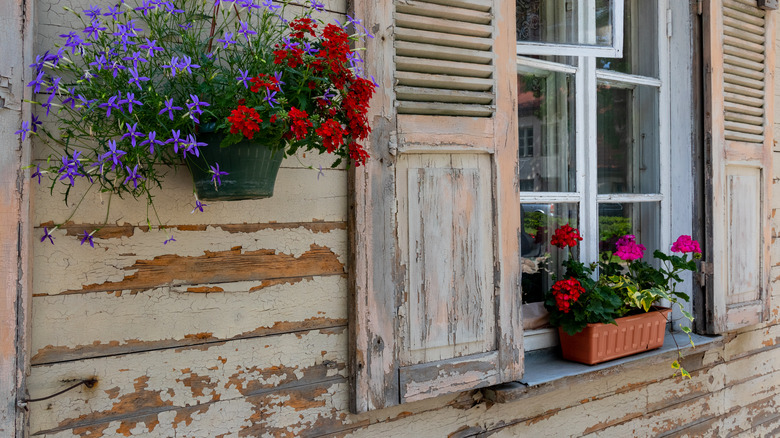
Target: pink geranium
{"points": [[686, 244], [628, 249]]}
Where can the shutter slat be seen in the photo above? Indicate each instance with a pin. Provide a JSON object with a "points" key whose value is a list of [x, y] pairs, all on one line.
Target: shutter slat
{"points": [[443, 39], [413, 7], [743, 72], [441, 25], [744, 109], [742, 14], [740, 43], [743, 137], [743, 127], [739, 33], [420, 65], [744, 7], [745, 91], [730, 50], [745, 27], [743, 99], [475, 5], [430, 51], [443, 81], [443, 95], [745, 82], [744, 63], [444, 109]]}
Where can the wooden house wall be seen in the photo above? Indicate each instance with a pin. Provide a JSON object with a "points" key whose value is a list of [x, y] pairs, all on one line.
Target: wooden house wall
{"points": [[239, 328]]}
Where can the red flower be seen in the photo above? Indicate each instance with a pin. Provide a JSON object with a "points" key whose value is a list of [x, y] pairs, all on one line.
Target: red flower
{"points": [[565, 236], [246, 120], [566, 293], [358, 154], [302, 26], [332, 135], [272, 119], [299, 123]]}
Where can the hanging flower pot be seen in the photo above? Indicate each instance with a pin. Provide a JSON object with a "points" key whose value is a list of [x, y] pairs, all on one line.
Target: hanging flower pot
{"points": [[600, 342], [247, 169]]}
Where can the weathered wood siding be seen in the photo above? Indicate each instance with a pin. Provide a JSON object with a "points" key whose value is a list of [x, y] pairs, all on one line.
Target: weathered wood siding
{"points": [[239, 328]]}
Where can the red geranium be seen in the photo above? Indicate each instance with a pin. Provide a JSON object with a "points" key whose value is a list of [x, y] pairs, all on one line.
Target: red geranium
{"points": [[299, 123], [566, 236], [246, 120], [566, 293]]}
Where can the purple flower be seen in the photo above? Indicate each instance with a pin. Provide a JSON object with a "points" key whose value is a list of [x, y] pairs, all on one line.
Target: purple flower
{"points": [[55, 85], [88, 238], [113, 154], [320, 173], [186, 26], [186, 63], [288, 44], [37, 82], [25, 129], [173, 65], [171, 9], [38, 64], [113, 13], [191, 146], [35, 123], [37, 173], [132, 133], [130, 100], [136, 79], [136, 57], [70, 168], [194, 107], [151, 141], [308, 49], [169, 240], [150, 47], [100, 62], [245, 30], [74, 41], [216, 177], [110, 104], [269, 4], [169, 107], [227, 39], [115, 67], [176, 140], [269, 97], [358, 25], [198, 206], [132, 175], [318, 6], [92, 12], [94, 29], [70, 99], [244, 77], [86, 103], [145, 7], [47, 235]]}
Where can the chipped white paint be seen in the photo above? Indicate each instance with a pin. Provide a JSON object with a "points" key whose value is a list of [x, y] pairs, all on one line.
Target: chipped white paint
{"points": [[70, 266]]}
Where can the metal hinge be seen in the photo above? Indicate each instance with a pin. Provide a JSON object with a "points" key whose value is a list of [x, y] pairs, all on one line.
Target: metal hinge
{"points": [[668, 23], [699, 7]]}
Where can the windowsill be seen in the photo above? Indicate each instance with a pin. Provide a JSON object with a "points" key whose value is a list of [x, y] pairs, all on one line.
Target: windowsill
{"points": [[547, 365]]}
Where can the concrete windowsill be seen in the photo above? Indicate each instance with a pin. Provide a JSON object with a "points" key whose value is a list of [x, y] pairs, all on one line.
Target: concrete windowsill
{"points": [[547, 366]]}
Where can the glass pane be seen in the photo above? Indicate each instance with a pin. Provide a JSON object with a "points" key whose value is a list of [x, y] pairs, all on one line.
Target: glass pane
{"points": [[565, 22], [640, 41], [546, 129], [540, 259], [628, 139], [641, 219]]}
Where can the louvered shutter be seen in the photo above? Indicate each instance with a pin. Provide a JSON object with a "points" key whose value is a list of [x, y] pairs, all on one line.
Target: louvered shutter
{"points": [[739, 66], [435, 217]]}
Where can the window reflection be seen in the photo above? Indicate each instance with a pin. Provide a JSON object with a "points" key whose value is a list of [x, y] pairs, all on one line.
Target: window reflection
{"points": [[546, 131], [564, 22]]}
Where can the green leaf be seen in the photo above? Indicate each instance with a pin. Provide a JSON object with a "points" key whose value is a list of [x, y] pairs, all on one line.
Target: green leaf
{"points": [[676, 365], [686, 329], [687, 314], [685, 373]]}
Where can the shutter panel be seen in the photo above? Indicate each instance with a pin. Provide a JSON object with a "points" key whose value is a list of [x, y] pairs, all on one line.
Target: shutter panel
{"points": [[435, 214], [739, 66]]}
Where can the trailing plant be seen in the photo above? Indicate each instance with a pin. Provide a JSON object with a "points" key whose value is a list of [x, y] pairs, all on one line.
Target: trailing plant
{"points": [[131, 89], [600, 292]]}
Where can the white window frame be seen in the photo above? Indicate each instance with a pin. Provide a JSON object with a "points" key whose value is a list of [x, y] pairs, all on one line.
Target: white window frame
{"points": [[588, 6], [587, 80]]}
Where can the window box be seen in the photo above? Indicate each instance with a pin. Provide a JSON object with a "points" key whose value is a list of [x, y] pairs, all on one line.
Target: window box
{"points": [[602, 342]]}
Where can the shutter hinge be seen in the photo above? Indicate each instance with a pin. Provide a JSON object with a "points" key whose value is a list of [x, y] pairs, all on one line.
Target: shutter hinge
{"points": [[668, 23], [699, 7]]}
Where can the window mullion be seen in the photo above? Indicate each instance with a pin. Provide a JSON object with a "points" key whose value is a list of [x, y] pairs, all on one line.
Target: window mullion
{"points": [[664, 119], [586, 146]]}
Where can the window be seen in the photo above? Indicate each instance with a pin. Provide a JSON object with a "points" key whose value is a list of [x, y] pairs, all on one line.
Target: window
{"points": [[603, 142]]}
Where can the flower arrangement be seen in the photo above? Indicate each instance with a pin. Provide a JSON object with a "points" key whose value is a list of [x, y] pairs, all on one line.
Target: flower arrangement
{"points": [[620, 284], [133, 88]]}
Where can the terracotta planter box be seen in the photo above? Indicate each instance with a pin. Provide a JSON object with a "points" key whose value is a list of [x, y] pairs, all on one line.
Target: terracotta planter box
{"points": [[602, 342]]}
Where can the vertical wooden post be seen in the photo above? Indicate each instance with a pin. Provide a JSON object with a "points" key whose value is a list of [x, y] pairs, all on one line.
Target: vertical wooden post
{"points": [[16, 40]]}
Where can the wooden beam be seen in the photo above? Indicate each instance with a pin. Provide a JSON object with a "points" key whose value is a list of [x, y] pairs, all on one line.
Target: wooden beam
{"points": [[16, 17]]}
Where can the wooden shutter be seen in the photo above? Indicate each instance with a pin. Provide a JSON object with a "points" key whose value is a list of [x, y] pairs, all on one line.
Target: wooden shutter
{"points": [[435, 217], [739, 69]]}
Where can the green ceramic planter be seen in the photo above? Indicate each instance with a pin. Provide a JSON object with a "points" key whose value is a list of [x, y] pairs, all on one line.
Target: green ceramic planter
{"points": [[251, 166]]}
